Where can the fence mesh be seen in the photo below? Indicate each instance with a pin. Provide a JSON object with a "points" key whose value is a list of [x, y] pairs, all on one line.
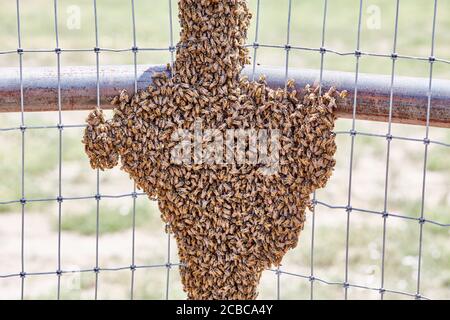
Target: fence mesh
{"points": [[348, 209]]}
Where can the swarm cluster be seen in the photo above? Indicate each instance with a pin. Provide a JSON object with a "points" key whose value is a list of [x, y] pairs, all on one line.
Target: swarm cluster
{"points": [[230, 221]]}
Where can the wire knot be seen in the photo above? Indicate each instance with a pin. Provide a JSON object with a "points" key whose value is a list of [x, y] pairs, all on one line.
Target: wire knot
{"points": [[422, 220], [426, 141], [432, 59], [385, 214], [134, 49], [346, 285], [353, 133], [98, 197], [59, 273], [23, 274], [59, 199], [57, 50], [394, 56], [96, 270], [20, 51], [287, 47], [358, 53], [389, 137], [23, 201], [96, 49], [323, 50], [349, 209]]}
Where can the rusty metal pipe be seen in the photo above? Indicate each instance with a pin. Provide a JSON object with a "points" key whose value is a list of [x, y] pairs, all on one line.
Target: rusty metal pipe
{"points": [[78, 85]]}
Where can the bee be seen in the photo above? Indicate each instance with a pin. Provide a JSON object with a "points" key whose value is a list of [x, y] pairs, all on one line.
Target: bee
{"points": [[230, 220]]}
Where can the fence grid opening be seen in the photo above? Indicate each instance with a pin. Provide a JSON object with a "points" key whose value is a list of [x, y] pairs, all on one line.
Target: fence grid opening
{"points": [[346, 207]]}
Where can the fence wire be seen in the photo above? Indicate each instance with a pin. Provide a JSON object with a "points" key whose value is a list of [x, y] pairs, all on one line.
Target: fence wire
{"points": [[348, 209]]}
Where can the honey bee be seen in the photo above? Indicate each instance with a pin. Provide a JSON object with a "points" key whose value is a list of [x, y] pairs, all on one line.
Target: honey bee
{"points": [[231, 220]]}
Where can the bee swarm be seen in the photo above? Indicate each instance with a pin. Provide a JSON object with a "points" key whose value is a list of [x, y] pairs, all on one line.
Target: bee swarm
{"points": [[230, 221]]}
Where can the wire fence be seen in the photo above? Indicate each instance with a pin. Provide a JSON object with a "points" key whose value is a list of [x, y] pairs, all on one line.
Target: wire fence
{"points": [[348, 209]]}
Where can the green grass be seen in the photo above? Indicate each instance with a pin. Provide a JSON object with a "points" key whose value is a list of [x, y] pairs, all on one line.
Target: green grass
{"points": [[41, 158], [439, 160], [112, 218], [152, 30]]}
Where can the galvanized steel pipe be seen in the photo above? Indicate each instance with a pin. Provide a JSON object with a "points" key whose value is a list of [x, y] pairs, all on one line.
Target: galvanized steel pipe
{"points": [[79, 90]]}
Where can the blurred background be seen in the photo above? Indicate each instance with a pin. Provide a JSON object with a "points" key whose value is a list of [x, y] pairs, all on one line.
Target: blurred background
{"points": [[76, 28]]}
